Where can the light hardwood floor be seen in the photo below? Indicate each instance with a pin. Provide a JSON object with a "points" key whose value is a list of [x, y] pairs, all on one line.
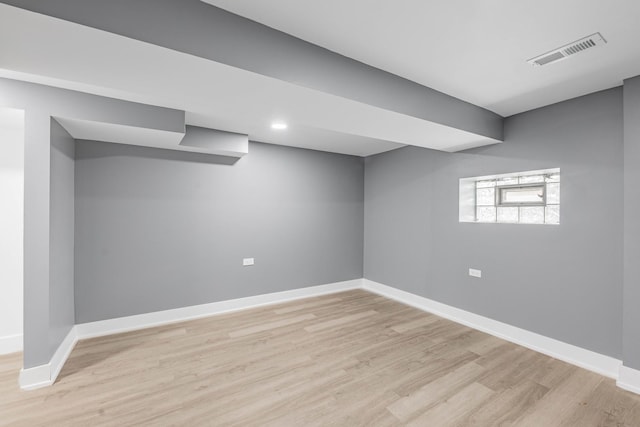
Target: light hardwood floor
{"points": [[345, 359]]}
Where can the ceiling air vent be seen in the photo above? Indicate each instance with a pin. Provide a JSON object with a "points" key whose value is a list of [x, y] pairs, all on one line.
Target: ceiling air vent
{"points": [[568, 50]]}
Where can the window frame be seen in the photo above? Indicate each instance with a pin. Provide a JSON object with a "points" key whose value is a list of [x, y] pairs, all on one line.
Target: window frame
{"points": [[499, 196]]}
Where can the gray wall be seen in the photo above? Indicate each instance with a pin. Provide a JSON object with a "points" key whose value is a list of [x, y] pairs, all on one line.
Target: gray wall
{"points": [[40, 104], [37, 165], [631, 333], [561, 281], [159, 229], [61, 283], [273, 203]]}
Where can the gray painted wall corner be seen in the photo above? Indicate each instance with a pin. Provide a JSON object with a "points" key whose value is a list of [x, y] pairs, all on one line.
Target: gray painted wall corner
{"points": [[47, 313], [61, 252], [533, 275], [37, 163]]}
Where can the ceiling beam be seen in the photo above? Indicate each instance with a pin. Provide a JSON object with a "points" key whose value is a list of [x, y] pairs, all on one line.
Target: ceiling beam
{"points": [[197, 28]]}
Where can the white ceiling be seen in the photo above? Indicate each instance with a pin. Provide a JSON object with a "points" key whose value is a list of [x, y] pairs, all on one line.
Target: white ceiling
{"points": [[59, 53], [473, 50]]}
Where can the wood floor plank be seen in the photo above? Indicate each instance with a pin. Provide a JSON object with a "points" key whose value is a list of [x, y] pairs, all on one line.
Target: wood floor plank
{"points": [[506, 406], [270, 325], [454, 409], [435, 392], [560, 404], [339, 321], [346, 359]]}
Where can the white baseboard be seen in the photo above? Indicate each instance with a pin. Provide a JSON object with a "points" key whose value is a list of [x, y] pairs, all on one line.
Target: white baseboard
{"points": [[62, 354], [587, 359], [10, 344], [629, 379], [158, 318], [36, 377], [45, 375]]}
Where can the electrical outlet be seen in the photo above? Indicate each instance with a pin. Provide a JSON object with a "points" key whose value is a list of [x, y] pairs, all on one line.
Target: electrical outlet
{"points": [[248, 261], [475, 273]]}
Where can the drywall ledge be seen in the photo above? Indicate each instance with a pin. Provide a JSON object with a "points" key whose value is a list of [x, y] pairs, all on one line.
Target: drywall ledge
{"points": [[213, 141], [121, 134]]}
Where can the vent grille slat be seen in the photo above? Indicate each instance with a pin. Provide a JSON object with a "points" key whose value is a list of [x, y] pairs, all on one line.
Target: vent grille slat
{"points": [[570, 49], [549, 58]]}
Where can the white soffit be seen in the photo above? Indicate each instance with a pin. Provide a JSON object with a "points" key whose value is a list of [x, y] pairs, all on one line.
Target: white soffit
{"points": [[216, 141], [110, 132], [300, 136], [473, 50], [50, 51]]}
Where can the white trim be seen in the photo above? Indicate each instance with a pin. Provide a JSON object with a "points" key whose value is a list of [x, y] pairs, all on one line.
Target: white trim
{"points": [[10, 344], [36, 377], [45, 375], [62, 353], [587, 359], [158, 318], [629, 379]]}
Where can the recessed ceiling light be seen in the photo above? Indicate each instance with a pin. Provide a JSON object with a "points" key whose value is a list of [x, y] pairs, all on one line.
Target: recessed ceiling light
{"points": [[278, 125]]}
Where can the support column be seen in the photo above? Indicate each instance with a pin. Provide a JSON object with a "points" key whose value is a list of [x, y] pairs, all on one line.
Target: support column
{"points": [[36, 238]]}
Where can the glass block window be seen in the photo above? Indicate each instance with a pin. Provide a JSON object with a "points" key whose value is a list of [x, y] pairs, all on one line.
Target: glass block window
{"points": [[522, 198]]}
